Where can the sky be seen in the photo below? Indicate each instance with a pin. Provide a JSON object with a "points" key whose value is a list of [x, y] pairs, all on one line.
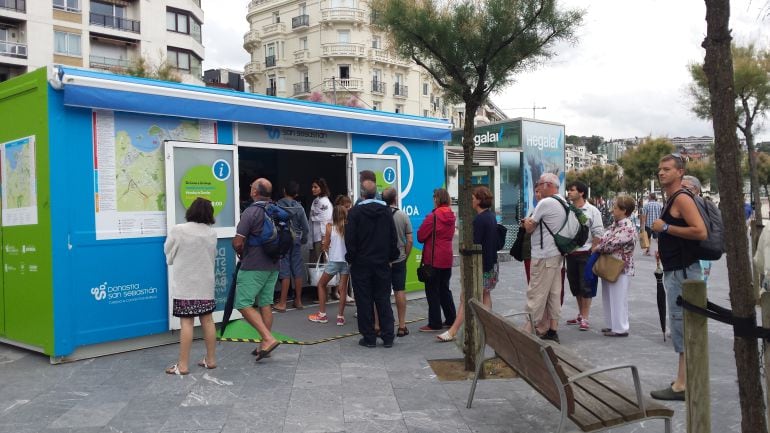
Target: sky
{"points": [[625, 76]]}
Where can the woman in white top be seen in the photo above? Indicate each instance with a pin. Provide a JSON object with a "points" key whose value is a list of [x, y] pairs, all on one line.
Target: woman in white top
{"points": [[191, 249], [334, 245], [320, 214]]}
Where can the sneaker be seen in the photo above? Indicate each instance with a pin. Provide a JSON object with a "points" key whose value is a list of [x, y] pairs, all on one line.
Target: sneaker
{"points": [[318, 318], [551, 335], [340, 320], [427, 328], [584, 325], [575, 321], [349, 300]]}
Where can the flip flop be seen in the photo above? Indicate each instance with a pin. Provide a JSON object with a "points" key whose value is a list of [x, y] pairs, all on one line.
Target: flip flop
{"points": [[174, 369], [255, 352], [402, 332], [279, 310], [264, 352], [202, 363], [445, 337]]}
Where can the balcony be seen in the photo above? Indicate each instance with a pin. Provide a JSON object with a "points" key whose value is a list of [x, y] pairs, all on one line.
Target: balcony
{"points": [[13, 49], [342, 15], [301, 88], [252, 68], [386, 56], [256, 6], [378, 87], [114, 22], [343, 50], [251, 40], [108, 63], [301, 21], [14, 5], [270, 91], [301, 57], [269, 61], [341, 84], [400, 91], [273, 29]]}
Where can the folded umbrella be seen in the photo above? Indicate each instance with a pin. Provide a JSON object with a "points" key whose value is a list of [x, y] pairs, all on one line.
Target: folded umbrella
{"points": [[661, 297], [230, 301]]}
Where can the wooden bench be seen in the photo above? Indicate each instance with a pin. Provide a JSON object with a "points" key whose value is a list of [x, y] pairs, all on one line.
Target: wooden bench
{"points": [[593, 402]]}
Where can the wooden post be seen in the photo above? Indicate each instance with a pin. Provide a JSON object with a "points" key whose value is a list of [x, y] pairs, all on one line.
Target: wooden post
{"points": [[472, 341], [765, 302], [696, 350]]}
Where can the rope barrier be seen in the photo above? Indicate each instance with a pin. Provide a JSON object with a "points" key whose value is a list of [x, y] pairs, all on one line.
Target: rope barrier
{"points": [[744, 327]]}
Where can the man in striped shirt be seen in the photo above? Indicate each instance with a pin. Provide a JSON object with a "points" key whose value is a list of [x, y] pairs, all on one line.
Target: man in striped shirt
{"points": [[650, 212]]}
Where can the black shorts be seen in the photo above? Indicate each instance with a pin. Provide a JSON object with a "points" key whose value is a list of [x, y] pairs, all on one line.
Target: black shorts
{"points": [[398, 276], [651, 234], [576, 264]]}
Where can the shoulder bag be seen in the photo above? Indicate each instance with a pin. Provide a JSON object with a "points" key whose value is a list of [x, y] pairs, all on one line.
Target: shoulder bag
{"points": [[425, 271], [608, 267]]}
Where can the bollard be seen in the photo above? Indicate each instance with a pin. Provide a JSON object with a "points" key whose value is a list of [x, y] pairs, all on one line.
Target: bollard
{"points": [[764, 300], [472, 340], [696, 352]]}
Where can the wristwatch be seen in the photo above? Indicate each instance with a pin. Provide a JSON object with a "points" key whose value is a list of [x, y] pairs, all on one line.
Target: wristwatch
{"points": [[665, 228]]}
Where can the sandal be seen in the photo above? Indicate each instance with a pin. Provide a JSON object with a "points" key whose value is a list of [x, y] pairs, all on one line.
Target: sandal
{"points": [[445, 337], [402, 332], [174, 369], [202, 363]]}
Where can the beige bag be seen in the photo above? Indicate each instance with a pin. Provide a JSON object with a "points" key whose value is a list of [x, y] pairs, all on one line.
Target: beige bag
{"points": [[608, 267], [644, 240]]}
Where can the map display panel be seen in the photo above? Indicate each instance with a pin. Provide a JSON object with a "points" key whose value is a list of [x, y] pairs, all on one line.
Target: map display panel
{"points": [[19, 184]]}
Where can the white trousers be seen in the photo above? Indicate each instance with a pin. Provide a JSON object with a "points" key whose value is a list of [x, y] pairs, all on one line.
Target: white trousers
{"points": [[615, 303]]}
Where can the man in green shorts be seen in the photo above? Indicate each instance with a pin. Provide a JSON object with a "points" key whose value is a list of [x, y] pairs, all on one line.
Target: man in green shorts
{"points": [[258, 273]]}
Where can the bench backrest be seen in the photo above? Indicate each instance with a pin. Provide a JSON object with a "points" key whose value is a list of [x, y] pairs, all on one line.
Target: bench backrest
{"points": [[524, 353]]}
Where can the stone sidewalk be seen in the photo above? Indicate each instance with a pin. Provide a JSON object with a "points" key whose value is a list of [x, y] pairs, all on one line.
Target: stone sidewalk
{"points": [[341, 386]]}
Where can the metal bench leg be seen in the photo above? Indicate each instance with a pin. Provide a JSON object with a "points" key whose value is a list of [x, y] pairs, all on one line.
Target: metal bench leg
{"points": [[668, 425], [479, 366]]}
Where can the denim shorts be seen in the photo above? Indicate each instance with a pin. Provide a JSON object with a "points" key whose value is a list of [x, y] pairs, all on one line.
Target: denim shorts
{"points": [[334, 268], [292, 264], [673, 281]]}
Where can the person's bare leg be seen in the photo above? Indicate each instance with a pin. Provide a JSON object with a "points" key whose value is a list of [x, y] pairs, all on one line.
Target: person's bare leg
{"points": [[266, 311], [185, 342], [486, 299], [210, 338], [585, 307], [285, 283], [681, 380], [298, 282], [343, 292], [322, 284], [255, 319], [401, 307]]}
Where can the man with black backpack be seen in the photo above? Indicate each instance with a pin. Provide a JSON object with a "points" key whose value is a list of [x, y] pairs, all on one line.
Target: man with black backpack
{"points": [[259, 272], [679, 229]]}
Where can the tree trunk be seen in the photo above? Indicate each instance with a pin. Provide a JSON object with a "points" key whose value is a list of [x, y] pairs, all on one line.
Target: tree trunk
{"points": [[466, 241], [718, 66]]}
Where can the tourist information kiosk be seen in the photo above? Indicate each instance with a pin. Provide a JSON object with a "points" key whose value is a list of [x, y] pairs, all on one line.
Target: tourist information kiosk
{"points": [[97, 166]]}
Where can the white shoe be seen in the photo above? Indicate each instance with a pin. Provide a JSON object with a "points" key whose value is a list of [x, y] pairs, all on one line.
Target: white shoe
{"points": [[349, 300]]}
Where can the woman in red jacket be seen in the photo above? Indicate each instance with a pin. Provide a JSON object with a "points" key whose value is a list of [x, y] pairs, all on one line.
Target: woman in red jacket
{"points": [[439, 228]]}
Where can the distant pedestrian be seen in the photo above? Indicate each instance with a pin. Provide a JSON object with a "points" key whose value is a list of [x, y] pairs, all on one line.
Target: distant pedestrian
{"points": [[292, 265], [190, 249], [650, 212], [398, 267]]}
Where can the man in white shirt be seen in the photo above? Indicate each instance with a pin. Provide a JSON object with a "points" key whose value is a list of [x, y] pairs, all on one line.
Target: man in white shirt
{"points": [[576, 260], [544, 291]]}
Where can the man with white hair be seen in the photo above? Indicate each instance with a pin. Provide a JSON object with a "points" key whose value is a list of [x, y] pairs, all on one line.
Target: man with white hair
{"points": [[544, 291]]}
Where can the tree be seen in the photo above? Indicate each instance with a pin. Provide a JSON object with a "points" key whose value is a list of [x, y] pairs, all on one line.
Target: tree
{"points": [[572, 139], [142, 67], [601, 179], [472, 48], [751, 96], [704, 170], [640, 164], [594, 142], [718, 73], [763, 171]]}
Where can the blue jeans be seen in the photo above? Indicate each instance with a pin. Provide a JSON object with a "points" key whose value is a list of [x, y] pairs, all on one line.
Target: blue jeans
{"points": [[673, 281]]}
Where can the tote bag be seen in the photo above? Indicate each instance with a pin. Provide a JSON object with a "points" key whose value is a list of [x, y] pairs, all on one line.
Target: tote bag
{"points": [[608, 267], [315, 270]]}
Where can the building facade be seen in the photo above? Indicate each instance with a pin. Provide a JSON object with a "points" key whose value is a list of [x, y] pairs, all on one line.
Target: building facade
{"points": [[326, 50], [104, 34]]}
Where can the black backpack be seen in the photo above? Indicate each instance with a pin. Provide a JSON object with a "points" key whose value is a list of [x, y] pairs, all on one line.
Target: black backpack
{"points": [[713, 246], [502, 232]]}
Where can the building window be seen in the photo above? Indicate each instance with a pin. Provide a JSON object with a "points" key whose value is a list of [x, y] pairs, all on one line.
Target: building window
{"points": [[343, 36], [302, 9], [67, 43], [376, 106], [67, 5], [400, 108], [425, 89], [281, 84], [376, 42], [276, 17], [182, 22], [424, 113], [184, 61], [302, 43]]}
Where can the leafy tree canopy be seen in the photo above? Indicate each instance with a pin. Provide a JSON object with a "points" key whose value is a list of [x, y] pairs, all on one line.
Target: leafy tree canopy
{"points": [[641, 163], [603, 180]]}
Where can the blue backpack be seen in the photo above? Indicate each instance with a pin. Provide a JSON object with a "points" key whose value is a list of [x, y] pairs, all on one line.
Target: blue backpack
{"points": [[276, 237]]}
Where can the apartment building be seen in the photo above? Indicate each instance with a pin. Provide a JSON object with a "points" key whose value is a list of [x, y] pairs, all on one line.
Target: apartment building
{"points": [[103, 34], [326, 50]]}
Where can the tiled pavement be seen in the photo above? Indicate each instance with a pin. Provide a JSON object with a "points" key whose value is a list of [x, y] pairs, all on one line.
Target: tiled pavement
{"points": [[340, 386]]}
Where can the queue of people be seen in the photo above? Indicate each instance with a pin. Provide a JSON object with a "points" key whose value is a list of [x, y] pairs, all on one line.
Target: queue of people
{"points": [[368, 244]]}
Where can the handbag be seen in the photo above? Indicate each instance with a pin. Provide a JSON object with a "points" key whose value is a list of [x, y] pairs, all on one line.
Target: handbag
{"points": [[425, 271], [608, 267], [315, 270], [644, 240], [517, 249]]}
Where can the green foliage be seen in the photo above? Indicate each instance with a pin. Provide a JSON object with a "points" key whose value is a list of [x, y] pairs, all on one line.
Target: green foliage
{"points": [[641, 164], [572, 139], [763, 170], [603, 180], [474, 47], [704, 170], [142, 67]]}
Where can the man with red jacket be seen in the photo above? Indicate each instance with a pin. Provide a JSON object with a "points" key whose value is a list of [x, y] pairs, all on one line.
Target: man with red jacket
{"points": [[438, 229]]}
